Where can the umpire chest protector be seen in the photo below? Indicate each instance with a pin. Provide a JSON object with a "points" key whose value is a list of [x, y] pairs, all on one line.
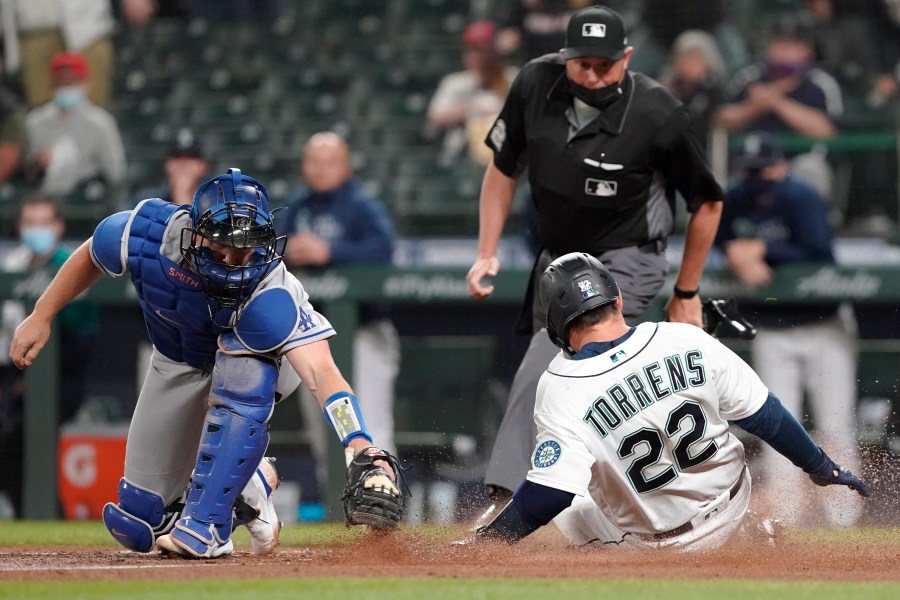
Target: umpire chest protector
{"points": [[611, 183], [173, 301]]}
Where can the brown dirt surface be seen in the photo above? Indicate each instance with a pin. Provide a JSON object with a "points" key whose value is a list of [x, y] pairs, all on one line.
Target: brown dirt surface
{"points": [[412, 554]]}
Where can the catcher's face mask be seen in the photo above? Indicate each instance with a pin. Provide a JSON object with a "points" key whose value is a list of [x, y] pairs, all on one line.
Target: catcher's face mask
{"points": [[232, 244]]}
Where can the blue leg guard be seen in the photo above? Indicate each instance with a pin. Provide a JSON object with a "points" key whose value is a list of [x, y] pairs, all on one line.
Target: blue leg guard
{"points": [[234, 441], [139, 517]]}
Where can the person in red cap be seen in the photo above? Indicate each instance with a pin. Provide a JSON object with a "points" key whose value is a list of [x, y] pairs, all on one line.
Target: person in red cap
{"points": [[467, 102], [33, 32], [70, 140]]}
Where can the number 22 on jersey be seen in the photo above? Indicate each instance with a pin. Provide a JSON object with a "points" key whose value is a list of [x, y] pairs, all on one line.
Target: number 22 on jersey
{"points": [[652, 441]]}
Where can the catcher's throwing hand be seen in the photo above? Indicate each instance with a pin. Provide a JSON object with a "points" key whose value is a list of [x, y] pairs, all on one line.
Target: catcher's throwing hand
{"points": [[372, 497], [29, 339]]}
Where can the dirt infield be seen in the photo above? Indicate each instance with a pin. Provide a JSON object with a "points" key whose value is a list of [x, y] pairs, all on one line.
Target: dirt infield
{"points": [[409, 554]]}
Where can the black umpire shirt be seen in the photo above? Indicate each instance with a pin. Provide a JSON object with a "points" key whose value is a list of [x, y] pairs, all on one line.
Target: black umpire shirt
{"points": [[611, 183]]}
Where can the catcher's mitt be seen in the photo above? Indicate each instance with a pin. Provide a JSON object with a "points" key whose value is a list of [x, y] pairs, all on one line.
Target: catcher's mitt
{"points": [[371, 496]]}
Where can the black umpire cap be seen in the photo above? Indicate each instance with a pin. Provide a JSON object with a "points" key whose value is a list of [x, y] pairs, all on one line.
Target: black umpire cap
{"points": [[595, 31]]}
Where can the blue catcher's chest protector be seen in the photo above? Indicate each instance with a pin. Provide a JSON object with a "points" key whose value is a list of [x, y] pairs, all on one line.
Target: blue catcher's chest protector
{"points": [[175, 306]]}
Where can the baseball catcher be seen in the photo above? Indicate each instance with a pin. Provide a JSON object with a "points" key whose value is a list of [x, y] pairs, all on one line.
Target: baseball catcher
{"points": [[233, 331]]}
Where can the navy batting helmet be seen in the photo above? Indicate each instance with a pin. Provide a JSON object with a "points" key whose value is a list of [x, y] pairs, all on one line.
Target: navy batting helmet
{"points": [[572, 285], [231, 210]]}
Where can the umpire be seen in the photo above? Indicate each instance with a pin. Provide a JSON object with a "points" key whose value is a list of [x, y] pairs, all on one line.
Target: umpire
{"points": [[606, 151]]}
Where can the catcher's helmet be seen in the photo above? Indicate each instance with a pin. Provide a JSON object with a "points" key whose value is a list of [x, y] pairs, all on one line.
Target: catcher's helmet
{"points": [[231, 210], [572, 285]]}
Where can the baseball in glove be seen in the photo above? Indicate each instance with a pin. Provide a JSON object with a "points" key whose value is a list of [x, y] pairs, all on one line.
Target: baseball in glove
{"points": [[371, 496]]}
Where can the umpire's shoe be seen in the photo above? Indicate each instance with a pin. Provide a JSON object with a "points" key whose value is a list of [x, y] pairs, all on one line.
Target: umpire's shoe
{"points": [[193, 539], [255, 508]]}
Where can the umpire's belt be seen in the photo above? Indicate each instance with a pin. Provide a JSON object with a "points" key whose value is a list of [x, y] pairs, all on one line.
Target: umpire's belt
{"points": [[681, 529], [654, 246]]}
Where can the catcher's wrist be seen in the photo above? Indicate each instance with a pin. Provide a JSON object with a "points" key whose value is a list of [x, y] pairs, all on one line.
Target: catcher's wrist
{"points": [[684, 294], [342, 411]]}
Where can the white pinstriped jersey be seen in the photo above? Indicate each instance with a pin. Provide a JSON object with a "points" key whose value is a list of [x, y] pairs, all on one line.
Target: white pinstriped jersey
{"points": [[643, 427]]}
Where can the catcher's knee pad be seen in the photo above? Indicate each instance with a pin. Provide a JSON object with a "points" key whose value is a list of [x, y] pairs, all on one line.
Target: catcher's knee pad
{"points": [[139, 518], [245, 384], [230, 450]]}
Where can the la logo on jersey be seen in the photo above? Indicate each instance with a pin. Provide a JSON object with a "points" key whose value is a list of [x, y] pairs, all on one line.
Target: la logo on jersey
{"points": [[547, 454], [587, 289]]}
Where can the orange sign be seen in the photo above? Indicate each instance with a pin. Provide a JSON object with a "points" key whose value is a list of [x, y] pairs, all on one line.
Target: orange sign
{"points": [[90, 466]]}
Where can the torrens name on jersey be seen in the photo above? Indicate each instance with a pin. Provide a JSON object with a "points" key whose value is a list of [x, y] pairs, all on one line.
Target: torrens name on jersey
{"points": [[643, 387]]}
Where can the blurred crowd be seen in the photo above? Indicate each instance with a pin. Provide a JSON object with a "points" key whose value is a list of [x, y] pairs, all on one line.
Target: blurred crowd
{"points": [[813, 68]]}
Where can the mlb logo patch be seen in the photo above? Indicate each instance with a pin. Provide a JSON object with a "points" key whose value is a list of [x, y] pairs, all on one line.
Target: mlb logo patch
{"points": [[593, 30], [599, 187], [615, 357], [587, 289]]}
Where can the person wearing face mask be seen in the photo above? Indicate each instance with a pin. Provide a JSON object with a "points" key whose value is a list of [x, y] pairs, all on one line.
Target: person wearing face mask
{"points": [[773, 218], [606, 150], [70, 140], [786, 93], [40, 232]]}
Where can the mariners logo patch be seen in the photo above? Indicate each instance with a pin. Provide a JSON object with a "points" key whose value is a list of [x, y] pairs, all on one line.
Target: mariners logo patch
{"points": [[547, 454], [587, 289]]}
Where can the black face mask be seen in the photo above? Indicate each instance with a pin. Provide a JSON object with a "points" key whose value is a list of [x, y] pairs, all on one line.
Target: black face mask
{"points": [[599, 98]]}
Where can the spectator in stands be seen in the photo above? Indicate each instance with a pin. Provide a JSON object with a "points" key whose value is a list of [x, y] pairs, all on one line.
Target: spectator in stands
{"points": [[858, 42], [467, 102], [772, 218], [40, 229], [186, 165], [334, 222], [70, 140], [696, 76], [35, 31], [787, 94], [532, 28], [12, 133], [660, 22]]}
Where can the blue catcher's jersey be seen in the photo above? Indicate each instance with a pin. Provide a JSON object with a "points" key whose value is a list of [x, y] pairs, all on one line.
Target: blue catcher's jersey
{"points": [[146, 242]]}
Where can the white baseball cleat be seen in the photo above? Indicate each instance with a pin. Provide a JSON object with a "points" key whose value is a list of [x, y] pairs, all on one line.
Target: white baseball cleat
{"points": [[256, 509], [193, 539]]}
